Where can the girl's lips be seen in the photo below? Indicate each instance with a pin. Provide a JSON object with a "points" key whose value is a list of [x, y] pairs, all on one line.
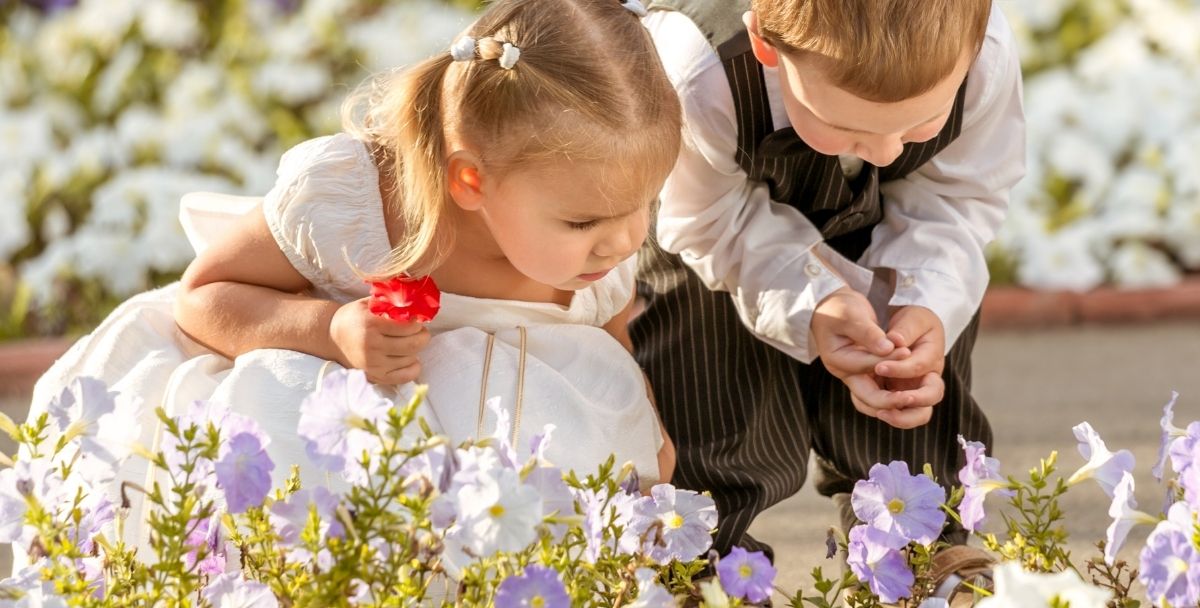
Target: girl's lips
{"points": [[595, 276]]}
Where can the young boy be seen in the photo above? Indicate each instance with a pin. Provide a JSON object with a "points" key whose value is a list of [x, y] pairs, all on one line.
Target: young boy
{"points": [[845, 163]]}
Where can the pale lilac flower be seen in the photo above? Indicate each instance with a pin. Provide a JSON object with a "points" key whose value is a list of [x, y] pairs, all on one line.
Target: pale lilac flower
{"points": [[979, 476], [244, 472], [1170, 562], [206, 534], [650, 593], [1183, 448], [289, 517], [1102, 465], [91, 569], [875, 562], [97, 511], [538, 587], [906, 507], [37, 478], [746, 575], [107, 428], [1189, 479], [934, 602], [333, 423], [685, 519], [601, 510], [13, 507], [556, 496], [232, 591], [498, 513], [1016, 588], [1169, 433], [1125, 516]]}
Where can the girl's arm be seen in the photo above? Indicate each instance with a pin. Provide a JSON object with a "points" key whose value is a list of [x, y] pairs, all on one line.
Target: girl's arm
{"points": [[618, 327], [243, 294]]}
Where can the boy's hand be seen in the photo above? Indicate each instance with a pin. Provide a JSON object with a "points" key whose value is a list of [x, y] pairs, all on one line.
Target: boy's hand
{"points": [[918, 377], [847, 335], [385, 349]]}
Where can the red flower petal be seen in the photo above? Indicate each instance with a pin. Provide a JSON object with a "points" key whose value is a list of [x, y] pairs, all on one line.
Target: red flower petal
{"points": [[405, 299]]}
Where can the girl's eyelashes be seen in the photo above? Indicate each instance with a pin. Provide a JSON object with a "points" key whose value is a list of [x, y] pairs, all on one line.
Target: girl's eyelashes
{"points": [[583, 225]]}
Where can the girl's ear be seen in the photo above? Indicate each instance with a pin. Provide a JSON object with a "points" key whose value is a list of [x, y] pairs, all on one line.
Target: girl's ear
{"points": [[466, 180], [763, 51]]}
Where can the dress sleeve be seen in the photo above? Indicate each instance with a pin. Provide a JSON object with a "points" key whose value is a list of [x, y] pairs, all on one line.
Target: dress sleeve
{"points": [[324, 211]]}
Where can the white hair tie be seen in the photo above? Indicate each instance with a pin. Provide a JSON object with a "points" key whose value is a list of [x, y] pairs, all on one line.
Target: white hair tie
{"points": [[635, 7], [463, 49], [510, 56]]}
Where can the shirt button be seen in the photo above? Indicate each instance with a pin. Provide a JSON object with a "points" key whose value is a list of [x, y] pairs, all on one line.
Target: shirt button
{"points": [[812, 270], [908, 281]]}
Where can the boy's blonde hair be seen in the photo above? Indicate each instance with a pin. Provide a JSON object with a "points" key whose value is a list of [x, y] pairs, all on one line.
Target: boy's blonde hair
{"points": [[880, 50], [588, 87]]}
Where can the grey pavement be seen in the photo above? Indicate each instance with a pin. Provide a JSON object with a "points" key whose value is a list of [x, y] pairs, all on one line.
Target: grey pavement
{"points": [[1035, 385]]}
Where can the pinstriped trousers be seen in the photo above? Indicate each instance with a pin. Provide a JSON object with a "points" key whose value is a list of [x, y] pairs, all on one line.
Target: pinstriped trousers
{"points": [[745, 417]]}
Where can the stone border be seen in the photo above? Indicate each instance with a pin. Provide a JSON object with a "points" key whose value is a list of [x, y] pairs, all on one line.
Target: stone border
{"points": [[23, 361], [1016, 307]]}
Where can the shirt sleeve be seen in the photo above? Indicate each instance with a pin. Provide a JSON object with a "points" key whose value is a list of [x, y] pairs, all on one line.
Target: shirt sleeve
{"points": [[938, 219], [770, 258]]}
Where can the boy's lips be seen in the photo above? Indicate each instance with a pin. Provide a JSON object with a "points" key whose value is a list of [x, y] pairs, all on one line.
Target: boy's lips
{"points": [[595, 276]]}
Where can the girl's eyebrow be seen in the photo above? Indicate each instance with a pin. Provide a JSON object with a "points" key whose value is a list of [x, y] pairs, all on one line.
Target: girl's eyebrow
{"points": [[599, 218]]}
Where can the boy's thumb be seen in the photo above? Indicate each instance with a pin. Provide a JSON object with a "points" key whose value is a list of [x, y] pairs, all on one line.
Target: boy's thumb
{"points": [[871, 337]]}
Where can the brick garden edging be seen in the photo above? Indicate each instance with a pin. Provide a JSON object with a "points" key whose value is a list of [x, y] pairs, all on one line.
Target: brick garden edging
{"points": [[23, 361], [1015, 307]]}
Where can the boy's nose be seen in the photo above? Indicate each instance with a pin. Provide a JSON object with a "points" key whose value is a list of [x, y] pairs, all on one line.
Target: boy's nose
{"points": [[881, 153]]}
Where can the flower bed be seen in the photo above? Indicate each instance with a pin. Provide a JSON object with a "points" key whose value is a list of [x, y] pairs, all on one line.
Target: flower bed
{"points": [[488, 523]]}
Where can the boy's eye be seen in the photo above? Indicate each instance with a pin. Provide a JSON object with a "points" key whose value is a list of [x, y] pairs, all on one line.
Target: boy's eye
{"points": [[583, 225]]}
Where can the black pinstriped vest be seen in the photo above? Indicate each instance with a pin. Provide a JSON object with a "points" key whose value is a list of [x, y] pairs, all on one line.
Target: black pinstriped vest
{"points": [[844, 210]]}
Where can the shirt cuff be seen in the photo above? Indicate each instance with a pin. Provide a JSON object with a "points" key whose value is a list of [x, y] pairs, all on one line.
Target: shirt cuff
{"points": [[943, 294], [786, 305]]}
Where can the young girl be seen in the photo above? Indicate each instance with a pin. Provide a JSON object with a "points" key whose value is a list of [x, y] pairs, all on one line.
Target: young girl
{"points": [[517, 169]]}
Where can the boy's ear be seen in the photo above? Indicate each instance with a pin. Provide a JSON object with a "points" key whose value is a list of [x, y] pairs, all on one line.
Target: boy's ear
{"points": [[763, 51], [465, 180]]}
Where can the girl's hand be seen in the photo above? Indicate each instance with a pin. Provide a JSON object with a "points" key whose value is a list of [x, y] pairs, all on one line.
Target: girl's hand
{"points": [[385, 349]]}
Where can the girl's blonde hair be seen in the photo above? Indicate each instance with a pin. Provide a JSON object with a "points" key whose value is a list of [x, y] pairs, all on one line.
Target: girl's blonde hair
{"points": [[588, 87], [880, 50]]}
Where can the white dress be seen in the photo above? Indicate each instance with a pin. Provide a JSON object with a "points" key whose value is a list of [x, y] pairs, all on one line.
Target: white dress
{"points": [[326, 214]]}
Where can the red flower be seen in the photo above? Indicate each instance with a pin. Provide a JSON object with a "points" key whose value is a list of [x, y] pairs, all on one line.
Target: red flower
{"points": [[406, 299]]}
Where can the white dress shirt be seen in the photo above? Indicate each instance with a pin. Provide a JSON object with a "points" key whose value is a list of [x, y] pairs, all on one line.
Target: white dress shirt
{"points": [[774, 262]]}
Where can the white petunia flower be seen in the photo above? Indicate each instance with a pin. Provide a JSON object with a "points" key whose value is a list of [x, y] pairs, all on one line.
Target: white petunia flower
{"points": [[170, 23], [1016, 588], [1136, 265]]}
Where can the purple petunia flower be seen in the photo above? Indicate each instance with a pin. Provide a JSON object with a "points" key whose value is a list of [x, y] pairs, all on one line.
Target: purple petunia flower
{"points": [[746, 575], [1189, 479], [231, 589], [1169, 433], [906, 507], [1102, 465], [207, 534], [289, 517], [333, 423], [1183, 448], [1125, 516], [686, 519], [979, 476], [1170, 562], [601, 509], [244, 472], [875, 562], [538, 586]]}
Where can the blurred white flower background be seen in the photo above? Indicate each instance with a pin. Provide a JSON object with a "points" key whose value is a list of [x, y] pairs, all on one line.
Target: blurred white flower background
{"points": [[110, 110], [1112, 194]]}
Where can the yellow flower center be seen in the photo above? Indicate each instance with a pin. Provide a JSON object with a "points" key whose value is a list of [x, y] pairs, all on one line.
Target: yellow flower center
{"points": [[673, 520], [497, 510], [537, 601], [896, 506], [745, 571]]}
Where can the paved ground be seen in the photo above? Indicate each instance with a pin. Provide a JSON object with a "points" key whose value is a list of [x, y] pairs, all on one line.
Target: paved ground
{"points": [[1035, 386]]}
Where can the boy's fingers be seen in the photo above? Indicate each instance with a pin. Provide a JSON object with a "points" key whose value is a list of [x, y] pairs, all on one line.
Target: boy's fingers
{"points": [[850, 360], [865, 392], [869, 336], [907, 418], [398, 329], [931, 391]]}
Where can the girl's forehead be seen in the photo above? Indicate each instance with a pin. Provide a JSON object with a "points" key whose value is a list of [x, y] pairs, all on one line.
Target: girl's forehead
{"points": [[612, 188]]}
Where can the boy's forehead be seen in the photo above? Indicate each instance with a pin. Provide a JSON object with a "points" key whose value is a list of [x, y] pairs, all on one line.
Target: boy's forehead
{"points": [[807, 84]]}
